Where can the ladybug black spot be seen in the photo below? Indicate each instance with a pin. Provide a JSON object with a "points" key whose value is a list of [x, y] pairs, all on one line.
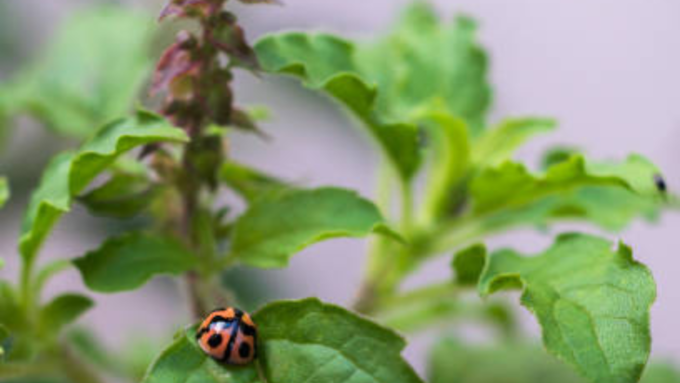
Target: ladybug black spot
{"points": [[247, 330], [244, 350], [214, 340]]}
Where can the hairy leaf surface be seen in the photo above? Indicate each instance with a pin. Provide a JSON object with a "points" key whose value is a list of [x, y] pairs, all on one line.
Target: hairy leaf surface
{"points": [[309, 341], [591, 300]]}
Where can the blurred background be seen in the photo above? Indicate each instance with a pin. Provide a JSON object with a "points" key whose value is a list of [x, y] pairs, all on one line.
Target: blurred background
{"points": [[607, 70]]}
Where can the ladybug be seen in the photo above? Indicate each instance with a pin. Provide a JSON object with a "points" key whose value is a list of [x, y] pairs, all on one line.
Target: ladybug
{"points": [[228, 335]]}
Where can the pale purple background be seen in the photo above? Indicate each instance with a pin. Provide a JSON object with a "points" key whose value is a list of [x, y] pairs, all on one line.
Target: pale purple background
{"points": [[608, 70]]}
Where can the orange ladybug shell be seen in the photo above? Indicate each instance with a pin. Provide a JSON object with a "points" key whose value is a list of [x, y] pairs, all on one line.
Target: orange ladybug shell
{"points": [[228, 335]]}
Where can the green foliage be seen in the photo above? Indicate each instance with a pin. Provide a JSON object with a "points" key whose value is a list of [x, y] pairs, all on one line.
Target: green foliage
{"points": [[61, 311], [511, 185], [304, 340], [11, 315], [184, 362], [592, 302], [122, 196], [452, 361], [4, 191], [248, 182], [423, 93], [426, 63], [326, 62], [499, 144], [128, 261], [469, 264], [89, 75], [309, 341], [70, 172], [280, 224]]}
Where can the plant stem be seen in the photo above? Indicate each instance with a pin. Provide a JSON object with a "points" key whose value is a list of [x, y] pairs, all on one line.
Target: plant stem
{"points": [[25, 288], [406, 209], [429, 292]]}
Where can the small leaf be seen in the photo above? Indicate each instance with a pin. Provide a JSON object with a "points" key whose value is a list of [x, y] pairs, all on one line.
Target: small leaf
{"points": [[90, 74], [326, 62], [468, 264], [274, 228], [425, 63], [309, 341], [122, 196], [4, 191], [70, 172], [557, 154], [498, 144], [185, 362], [610, 195], [127, 262], [248, 182], [658, 372], [61, 311], [592, 302]]}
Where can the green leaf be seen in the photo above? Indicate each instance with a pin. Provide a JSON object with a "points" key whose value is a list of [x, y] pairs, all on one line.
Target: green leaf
{"points": [[425, 63], [11, 314], [61, 311], [185, 362], [468, 264], [511, 184], [309, 341], [70, 172], [609, 195], [248, 182], [454, 361], [498, 144], [90, 74], [591, 300], [122, 196], [4, 191], [557, 154], [661, 373], [13, 317], [274, 228], [449, 164], [422, 65], [128, 261], [326, 62]]}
